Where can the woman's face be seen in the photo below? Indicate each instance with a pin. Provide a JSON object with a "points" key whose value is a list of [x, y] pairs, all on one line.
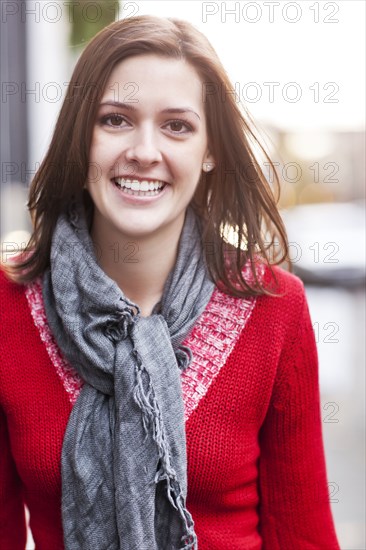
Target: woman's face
{"points": [[148, 147]]}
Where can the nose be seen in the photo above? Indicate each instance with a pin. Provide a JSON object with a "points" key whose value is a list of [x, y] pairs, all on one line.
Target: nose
{"points": [[143, 148]]}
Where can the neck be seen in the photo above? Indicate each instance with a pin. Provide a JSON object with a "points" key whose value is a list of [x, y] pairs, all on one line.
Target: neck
{"points": [[139, 265]]}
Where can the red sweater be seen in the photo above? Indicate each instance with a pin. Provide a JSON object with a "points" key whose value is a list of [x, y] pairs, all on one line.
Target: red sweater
{"points": [[256, 467]]}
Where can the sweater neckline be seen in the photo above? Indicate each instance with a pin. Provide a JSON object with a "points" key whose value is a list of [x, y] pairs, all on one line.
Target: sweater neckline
{"points": [[211, 341]]}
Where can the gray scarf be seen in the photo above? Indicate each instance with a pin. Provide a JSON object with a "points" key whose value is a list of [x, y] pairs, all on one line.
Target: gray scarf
{"points": [[124, 479]]}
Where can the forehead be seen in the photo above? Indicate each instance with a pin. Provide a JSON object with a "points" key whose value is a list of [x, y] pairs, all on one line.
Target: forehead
{"points": [[155, 79]]}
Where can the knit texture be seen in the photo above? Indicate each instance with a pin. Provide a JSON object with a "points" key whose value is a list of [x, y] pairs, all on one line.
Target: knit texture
{"points": [[256, 467]]}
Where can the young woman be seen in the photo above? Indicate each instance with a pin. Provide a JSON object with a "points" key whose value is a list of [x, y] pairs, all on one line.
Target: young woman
{"points": [[158, 383]]}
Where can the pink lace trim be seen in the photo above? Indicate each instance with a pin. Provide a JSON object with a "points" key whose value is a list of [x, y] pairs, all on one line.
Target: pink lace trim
{"points": [[69, 377], [212, 339]]}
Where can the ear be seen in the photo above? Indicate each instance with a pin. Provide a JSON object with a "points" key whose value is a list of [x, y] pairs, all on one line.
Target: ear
{"points": [[208, 163]]}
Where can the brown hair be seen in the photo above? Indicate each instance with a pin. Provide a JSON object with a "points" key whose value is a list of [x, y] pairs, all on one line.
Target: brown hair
{"points": [[236, 194]]}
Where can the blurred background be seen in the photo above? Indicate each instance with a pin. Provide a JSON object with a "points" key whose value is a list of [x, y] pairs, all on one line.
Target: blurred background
{"points": [[299, 69]]}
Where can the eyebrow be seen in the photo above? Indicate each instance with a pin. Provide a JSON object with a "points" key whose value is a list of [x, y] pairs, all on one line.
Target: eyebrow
{"points": [[130, 107]]}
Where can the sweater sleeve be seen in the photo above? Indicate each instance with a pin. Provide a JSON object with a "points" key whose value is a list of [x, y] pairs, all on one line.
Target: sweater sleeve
{"points": [[12, 516], [295, 508]]}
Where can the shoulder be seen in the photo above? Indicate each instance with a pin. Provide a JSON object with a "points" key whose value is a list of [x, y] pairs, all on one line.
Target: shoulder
{"points": [[279, 285], [284, 290], [282, 282], [12, 298], [275, 315], [288, 289], [286, 308], [7, 285]]}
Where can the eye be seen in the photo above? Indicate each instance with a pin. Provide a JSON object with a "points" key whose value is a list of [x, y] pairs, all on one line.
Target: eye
{"points": [[114, 120], [179, 126]]}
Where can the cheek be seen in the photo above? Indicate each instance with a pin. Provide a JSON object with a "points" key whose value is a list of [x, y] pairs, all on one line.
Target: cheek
{"points": [[94, 174], [101, 159], [188, 162], [102, 147]]}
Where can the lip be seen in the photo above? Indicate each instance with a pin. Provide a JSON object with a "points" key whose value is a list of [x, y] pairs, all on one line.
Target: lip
{"points": [[136, 200]]}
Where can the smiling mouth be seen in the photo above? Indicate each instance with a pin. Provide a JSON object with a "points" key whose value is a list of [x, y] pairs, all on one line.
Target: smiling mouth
{"points": [[143, 188]]}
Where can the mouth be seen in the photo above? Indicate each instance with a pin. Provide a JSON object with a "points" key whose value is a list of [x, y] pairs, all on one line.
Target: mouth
{"points": [[140, 188]]}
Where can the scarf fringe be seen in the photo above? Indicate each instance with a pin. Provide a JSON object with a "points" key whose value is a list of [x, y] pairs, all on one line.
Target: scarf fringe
{"points": [[152, 420]]}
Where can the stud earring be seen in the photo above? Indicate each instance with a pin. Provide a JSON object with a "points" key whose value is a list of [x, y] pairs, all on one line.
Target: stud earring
{"points": [[208, 166]]}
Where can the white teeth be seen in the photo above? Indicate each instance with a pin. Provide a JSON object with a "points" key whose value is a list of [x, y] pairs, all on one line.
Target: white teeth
{"points": [[137, 185]]}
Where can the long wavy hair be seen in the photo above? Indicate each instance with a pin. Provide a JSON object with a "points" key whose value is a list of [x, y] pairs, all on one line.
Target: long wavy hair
{"points": [[235, 196]]}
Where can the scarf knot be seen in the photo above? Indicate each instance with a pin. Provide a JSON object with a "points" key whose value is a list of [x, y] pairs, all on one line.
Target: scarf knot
{"points": [[120, 326]]}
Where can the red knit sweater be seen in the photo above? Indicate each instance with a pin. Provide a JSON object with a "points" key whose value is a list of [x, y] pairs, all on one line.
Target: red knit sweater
{"points": [[256, 468]]}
